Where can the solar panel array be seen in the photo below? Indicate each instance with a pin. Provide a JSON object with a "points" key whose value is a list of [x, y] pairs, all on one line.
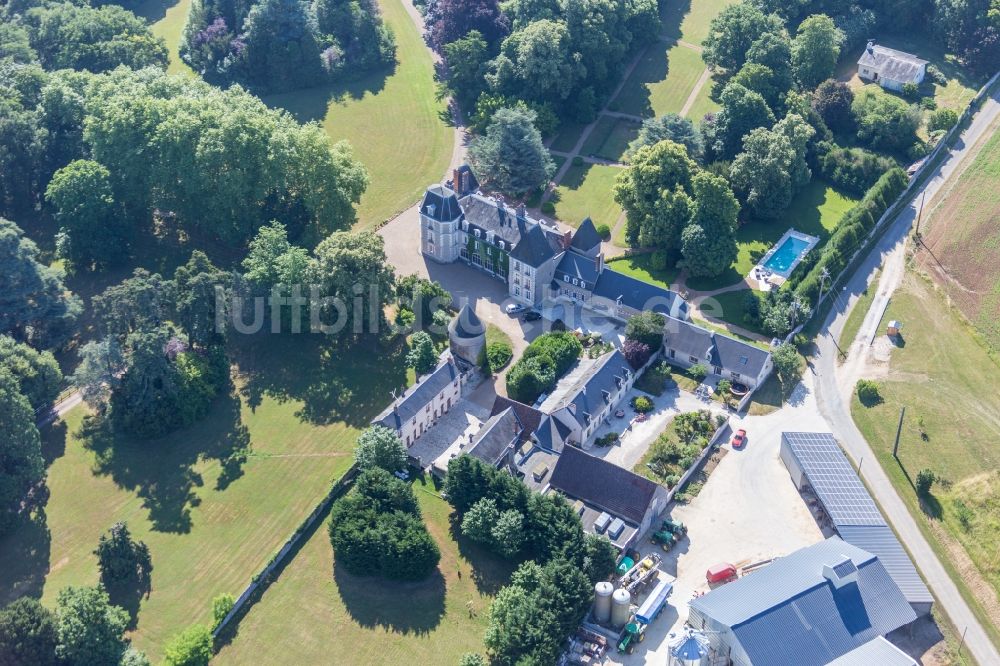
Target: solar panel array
{"points": [[833, 479]]}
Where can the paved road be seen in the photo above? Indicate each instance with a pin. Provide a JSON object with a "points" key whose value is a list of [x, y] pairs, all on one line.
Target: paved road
{"points": [[833, 387]]}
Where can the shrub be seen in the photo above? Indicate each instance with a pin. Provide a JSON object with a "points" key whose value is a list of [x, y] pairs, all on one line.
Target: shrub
{"points": [[698, 371], [221, 606], [925, 479], [855, 170], [498, 354], [868, 392], [942, 119], [788, 365], [928, 103], [936, 75], [659, 260], [636, 353], [642, 404], [548, 208], [192, 647], [911, 90], [964, 514], [604, 231]]}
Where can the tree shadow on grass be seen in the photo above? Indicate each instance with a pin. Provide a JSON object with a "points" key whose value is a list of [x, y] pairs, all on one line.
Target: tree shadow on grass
{"points": [[310, 104], [672, 16], [653, 67], [25, 554], [490, 572], [335, 381], [129, 594], [402, 608], [161, 471]]}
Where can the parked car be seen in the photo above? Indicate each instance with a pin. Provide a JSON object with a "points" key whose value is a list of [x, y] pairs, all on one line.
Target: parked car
{"points": [[402, 475], [515, 308], [531, 315], [620, 414], [739, 439], [723, 572]]}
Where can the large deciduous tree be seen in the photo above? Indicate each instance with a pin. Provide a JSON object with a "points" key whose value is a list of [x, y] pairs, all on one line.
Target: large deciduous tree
{"points": [[832, 101], [670, 127], [91, 629], [93, 229], [885, 122], [380, 447], [449, 20], [28, 634], [708, 243], [652, 190], [815, 50], [37, 373], [35, 306], [743, 110], [511, 156], [537, 62], [191, 647], [733, 31], [21, 464], [761, 174]]}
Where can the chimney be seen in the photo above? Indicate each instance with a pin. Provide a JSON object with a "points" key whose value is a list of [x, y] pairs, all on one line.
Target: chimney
{"points": [[871, 45], [456, 179], [599, 262], [521, 211], [567, 239]]}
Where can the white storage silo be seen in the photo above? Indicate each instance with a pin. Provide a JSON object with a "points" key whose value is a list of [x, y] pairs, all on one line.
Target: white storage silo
{"points": [[602, 601], [621, 604]]}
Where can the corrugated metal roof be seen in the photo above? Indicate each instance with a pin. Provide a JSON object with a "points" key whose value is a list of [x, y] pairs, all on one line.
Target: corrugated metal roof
{"points": [[789, 613], [880, 540], [878, 651], [854, 513]]}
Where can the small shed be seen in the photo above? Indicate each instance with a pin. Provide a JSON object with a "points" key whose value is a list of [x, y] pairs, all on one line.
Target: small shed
{"points": [[892, 330]]}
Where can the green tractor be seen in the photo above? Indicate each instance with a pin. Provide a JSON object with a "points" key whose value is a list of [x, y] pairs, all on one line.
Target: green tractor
{"points": [[665, 538], [634, 632], [675, 527]]}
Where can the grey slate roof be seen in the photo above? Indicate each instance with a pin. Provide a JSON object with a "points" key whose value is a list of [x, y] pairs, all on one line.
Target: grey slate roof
{"points": [[728, 353], [533, 248], [418, 395], [789, 613], [499, 432], [441, 204], [855, 515], [577, 266], [593, 391], [551, 433], [586, 237], [877, 651], [467, 324], [611, 488], [527, 416], [892, 64], [635, 293], [487, 215]]}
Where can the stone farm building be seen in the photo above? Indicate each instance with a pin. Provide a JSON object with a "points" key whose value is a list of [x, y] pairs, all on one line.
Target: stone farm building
{"points": [[686, 345], [890, 68], [540, 263]]}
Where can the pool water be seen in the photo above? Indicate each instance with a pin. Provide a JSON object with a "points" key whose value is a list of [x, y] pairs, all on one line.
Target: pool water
{"points": [[784, 257]]}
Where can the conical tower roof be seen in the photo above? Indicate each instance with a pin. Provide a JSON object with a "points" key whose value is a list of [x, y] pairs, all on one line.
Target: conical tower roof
{"points": [[467, 324]]}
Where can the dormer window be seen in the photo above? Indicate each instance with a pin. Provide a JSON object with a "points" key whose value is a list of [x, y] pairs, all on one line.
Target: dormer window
{"points": [[478, 233], [430, 209], [489, 236], [502, 246], [575, 282], [565, 278]]}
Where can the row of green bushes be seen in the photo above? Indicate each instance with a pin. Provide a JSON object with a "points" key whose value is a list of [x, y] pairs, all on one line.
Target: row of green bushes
{"points": [[545, 360], [851, 232]]}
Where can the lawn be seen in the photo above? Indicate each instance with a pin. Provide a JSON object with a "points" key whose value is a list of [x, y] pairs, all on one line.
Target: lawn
{"points": [[638, 267], [730, 306], [946, 381], [610, 138], [585, 191], [565, 140], [661, 82], [300, 407], [704, 102], [393, 120], [167, 22], [317, 613], [690, 23], [815, 210]]}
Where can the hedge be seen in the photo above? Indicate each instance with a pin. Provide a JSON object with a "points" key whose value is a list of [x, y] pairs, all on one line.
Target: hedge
{"points": [[852, 230]]}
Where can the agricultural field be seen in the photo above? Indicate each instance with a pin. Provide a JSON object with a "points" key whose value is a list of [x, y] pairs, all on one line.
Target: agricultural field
{"points": [[961, 235], [208, 531], [318, 613], [585, 191], [944, 378]]}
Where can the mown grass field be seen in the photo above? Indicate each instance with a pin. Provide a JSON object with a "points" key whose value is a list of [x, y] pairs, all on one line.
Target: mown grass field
{"points": [[316, 613], [639, 268], [815, 210], [300, 407], [392, 119], [690, 20], [585, 191], [610, 138], [168, 22], [946, 380], [661, 82], [962, 235]]}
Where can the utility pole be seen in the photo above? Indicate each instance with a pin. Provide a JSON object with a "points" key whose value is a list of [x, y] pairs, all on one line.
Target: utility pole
{"points": [[899, 430], [860, 463], [920, 214], [823, 277]]}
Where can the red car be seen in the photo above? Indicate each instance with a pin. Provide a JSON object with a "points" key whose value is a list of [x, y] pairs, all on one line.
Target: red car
{"points": [[739, 439]]}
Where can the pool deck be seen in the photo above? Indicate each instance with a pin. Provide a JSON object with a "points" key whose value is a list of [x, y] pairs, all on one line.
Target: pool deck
{"points": [[767, 279]]}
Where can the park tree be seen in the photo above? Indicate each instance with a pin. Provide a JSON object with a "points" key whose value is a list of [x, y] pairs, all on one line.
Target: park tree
{"points": [[93, 230], [662, 227], [422, 357], [467, 59], [507, 533], [380, 447], [121, 558], [200, 294], [478, 521], [832, 100], [222, 605], [669, 127], [353, 268], [537, 63], [743, 110], [971, 29], [449, 20], [599, 33], [21, 464], [773, 50], [799, 134], [759, 78], [28, 634], [646, 327], [708, 243], [422, 297], [511, 156], [141, 302], [522, 12], [133, 657], [191, 647], [815, 50], [733, 31], [640, 189], [885, 122], [91, 629], [761, 174], [281, 50], [788, 365], [37, 373], [355, 37], [35, 306], [102, 363], [273, 260], [472, 659]]}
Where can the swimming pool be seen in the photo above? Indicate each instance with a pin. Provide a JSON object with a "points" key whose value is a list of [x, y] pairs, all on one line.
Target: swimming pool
{"points": [[785, 256]]}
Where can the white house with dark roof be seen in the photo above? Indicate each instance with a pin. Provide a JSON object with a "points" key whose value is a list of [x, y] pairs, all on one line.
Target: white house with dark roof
{"points": [[890, 68], [540, 263], [686, 345], [419, 408]]}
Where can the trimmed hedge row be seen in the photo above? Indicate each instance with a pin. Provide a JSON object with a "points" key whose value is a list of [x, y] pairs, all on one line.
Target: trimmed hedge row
{"points": [[851, 231]]}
